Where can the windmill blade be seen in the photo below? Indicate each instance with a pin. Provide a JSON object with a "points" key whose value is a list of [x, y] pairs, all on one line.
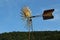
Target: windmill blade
{"points": [[21, 12], [47, 14], [22, 16]]}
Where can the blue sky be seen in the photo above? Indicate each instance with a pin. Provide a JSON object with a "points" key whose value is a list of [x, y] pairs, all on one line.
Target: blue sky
{"points": [[10, 20]]}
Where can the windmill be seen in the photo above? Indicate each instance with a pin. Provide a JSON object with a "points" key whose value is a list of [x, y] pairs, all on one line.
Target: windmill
{"points": [[26, 14]]}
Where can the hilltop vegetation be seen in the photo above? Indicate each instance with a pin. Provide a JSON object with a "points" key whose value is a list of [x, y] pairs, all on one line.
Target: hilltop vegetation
{"points": [[42, 35]]}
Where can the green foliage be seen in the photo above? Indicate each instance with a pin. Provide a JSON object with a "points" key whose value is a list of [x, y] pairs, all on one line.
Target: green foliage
{"points": [[42, 35]]}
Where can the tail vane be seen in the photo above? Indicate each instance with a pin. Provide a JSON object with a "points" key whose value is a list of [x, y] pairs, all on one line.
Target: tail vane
{"points": [[47, 14]]}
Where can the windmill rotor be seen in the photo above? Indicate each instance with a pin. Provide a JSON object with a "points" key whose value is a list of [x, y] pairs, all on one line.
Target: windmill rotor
{"points": [[26, 14]]}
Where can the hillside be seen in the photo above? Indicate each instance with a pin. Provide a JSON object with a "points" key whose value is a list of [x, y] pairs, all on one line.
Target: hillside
{"points": [[42, 35]]}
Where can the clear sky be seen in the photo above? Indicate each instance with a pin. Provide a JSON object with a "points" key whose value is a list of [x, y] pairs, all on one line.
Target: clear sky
{"points": [[10, 20]]}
